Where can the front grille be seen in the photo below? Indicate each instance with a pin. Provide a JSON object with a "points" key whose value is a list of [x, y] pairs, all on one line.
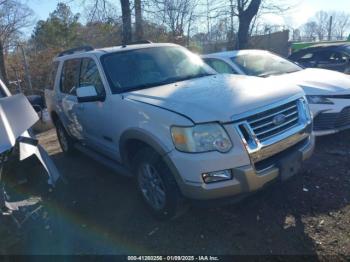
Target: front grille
{"points": [[328, 121], [264, 126], [271, 161]]}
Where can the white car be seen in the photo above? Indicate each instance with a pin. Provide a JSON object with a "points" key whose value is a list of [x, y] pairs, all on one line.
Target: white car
{"points": [[328, 92], [157, 112]]}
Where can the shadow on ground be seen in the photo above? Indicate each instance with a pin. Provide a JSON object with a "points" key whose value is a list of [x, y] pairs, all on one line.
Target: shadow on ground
{"points": [[99, 212]]}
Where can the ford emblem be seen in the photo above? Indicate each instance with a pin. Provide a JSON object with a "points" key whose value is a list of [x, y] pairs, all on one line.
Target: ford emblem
{"points": [[279, 119]]}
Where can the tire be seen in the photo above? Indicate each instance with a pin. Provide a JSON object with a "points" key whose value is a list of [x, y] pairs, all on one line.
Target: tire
{"points": [[157, 185], [65, 140]]}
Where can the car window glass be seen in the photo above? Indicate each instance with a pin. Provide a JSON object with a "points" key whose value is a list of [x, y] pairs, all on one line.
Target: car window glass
{"points": [[331, 57], [220, 66], [307, 56], [90, 76], [52, 76], [264, 64], [69, 76], [147, 67], [338, 58]]}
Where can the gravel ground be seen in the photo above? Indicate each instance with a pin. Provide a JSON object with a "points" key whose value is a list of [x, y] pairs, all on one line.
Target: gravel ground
{"points": [[99, 212]]}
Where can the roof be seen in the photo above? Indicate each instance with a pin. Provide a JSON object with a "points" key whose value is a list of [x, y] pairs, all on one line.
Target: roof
{"points": [[113, 49], [327, 46]]}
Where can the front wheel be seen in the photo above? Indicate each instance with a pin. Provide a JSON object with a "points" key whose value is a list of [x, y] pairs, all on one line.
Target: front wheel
{"points": [[157, 185], [65, 141]]}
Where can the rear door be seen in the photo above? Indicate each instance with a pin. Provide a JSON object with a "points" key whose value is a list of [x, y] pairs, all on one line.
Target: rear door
{"points": [[50, 86], [66, 97]]}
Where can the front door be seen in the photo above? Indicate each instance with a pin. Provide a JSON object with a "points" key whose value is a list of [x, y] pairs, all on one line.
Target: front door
{"points": [[93, 115]]}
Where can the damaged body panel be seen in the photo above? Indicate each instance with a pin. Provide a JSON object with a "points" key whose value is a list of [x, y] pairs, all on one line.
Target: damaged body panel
{"points": [[17, 116]]}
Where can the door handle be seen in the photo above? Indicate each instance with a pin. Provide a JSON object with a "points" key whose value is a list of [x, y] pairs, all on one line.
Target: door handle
{"points": [[81, 107]]}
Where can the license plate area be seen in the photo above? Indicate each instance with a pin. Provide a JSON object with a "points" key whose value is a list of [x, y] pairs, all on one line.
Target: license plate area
{"points": [[290, 165]]}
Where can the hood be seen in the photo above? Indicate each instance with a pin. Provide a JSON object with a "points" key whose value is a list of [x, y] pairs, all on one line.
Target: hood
{"points": [[319, 81], [216, 98]]}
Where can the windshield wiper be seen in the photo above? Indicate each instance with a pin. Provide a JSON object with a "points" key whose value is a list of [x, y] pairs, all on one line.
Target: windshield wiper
{"points": [[270, 73], [183, 78], [266, 74], [167, 81]]}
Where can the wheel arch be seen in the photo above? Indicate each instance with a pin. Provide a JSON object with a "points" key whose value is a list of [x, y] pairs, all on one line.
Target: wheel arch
{"points": [[133, 139], [130, 143]]}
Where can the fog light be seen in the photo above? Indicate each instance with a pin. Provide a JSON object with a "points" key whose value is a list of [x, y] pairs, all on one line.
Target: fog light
{"points": [[217, 176]]}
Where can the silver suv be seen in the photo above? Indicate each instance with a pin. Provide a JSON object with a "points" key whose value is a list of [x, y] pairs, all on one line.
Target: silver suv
{"points": [[157, 112]]}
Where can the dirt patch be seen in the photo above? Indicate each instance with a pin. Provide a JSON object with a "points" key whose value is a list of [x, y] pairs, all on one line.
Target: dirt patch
{"points": [[99, 212]]}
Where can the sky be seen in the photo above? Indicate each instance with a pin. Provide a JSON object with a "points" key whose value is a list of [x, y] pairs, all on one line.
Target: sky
{"points": [[305, 9], [301, 13]]}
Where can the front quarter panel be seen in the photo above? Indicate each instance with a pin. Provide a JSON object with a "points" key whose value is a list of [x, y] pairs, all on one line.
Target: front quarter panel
{"points": [[151, 121]]}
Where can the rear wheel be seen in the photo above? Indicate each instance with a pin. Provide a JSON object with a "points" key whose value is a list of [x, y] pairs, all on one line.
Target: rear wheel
{"points": [[65, 141], [157, 185]]}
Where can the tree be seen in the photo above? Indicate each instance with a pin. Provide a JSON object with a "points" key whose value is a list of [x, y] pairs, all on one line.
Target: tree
{"points": [[331, 24], [138, 20], [310, 30], [14, 16], [60, 30], [322, 21], [341, 24], [126, 18], [175, 14], [246, 11]]}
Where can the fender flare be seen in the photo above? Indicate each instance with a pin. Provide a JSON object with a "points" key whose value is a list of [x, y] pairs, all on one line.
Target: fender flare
{"points": [[155, 143], [144, 137]]}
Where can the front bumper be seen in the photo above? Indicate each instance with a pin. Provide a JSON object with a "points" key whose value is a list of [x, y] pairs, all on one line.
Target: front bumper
{"points": [[246, 178], [329, 123], [330, 119]]}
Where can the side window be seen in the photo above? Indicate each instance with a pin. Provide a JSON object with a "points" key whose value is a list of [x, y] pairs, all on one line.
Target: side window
{"points": [[339, 58], [220, 66], [89, 75], [52, 76], [69, 76], [325, 56], [306, 57]]}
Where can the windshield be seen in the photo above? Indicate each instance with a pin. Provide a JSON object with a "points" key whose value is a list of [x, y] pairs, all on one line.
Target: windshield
{"points": [[148, 67], [264, 64]]}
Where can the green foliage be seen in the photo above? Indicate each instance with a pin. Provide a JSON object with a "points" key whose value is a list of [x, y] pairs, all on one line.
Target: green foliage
{"points": [[60, 30]]}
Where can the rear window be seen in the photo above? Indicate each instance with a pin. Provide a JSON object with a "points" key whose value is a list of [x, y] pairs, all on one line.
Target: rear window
{"points": [[52, 76], [69, 76]]}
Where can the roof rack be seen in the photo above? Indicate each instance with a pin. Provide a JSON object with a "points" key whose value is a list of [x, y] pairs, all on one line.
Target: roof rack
{"points": [[138, 43], [74, 50]]}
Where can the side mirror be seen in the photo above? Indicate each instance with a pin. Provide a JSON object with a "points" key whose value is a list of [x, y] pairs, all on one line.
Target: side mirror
{"points": [[88, 94]]}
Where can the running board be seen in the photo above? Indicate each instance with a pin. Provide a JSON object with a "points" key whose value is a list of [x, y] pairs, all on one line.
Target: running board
{"points": [[104, 160]]}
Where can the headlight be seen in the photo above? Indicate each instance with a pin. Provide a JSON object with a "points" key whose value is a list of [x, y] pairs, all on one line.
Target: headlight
{"points": [[201, 138], [319, 100]]}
